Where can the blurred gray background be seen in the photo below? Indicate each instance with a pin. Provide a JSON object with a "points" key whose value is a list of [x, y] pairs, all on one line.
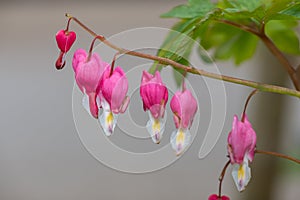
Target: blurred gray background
{"points": [[41, 156]]}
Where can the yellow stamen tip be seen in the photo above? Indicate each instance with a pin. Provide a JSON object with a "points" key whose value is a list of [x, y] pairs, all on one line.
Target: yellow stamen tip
{"points": [[109, 118]]}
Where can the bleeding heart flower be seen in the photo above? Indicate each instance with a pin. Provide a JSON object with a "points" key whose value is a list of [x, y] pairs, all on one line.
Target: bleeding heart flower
{"points": [[241, 149], [88, 72], [113, 88], [65, 40], [154, 95], [216, 197], [184, 107]]}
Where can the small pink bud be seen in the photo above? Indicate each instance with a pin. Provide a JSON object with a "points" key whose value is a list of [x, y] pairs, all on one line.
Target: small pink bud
{"points": [[65, 40], [216, 197], [60, 62]]}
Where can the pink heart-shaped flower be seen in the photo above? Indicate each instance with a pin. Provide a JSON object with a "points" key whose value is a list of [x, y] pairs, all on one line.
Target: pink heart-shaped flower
{"points": [[65, 40]]}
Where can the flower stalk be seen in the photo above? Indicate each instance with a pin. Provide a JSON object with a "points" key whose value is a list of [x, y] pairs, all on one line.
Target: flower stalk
{"points": [[278, 155]]}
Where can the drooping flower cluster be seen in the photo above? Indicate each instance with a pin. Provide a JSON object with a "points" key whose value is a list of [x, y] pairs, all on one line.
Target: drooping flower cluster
{"points": [[183, 105], [105, 87]]}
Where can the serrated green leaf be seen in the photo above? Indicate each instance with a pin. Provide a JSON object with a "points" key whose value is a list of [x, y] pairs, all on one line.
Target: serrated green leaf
{"points": [[283, 35]]}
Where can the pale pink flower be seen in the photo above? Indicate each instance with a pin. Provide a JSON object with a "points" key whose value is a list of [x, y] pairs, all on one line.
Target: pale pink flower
{"points": [[88, 72], [241, 149], [184, 107], [113, 88]]}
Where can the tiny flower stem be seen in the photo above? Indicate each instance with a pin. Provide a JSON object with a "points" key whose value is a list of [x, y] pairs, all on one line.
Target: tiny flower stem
{"points": [[221, 177], [92, 46], [68, 25], [247, 102], [166, 61], [183, 81], [113, 63], [278, 155]]}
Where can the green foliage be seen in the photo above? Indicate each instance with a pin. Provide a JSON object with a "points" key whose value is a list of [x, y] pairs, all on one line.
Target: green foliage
{"points": [[194, 8], [283, 35], [207, 23]]}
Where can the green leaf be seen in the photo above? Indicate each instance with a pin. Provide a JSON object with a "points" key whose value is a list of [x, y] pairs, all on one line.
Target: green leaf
{"points": [[245, 5], [292, 10], [283, 35], [229, 43], [178, 43], [194, 8]]}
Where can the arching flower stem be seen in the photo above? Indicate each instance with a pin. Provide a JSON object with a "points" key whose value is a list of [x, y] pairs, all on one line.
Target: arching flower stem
{"points": [[166, 61], [247, 102]]}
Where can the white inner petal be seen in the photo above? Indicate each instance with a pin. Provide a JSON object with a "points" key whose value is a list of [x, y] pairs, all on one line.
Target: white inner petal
{"points": [[241, 174], [107, 119], [180, 139], [156, 128], [86, 104]]}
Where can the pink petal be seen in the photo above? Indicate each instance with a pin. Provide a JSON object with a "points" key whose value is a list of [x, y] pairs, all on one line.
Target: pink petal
{"points": [[154, 94], [80, 56], [241, 141], [184, 106], [114, 88], [88, 74], [93, 104]]}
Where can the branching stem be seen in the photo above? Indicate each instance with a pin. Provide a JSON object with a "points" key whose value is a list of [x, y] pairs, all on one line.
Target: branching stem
{"points": [[260, 86], [271, 46]]}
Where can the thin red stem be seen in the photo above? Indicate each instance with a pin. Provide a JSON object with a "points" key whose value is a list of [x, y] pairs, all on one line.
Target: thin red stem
{"points": [[68, 25], [221, 177], [247, 102], [278, 155], [113, 63]]}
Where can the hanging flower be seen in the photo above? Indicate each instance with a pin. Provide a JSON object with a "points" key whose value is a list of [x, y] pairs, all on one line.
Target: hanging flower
{"points": [[184, 107], [241, 149], [154, 95], [113, 88], [216, 197], [64, 40], [88, 72]]}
